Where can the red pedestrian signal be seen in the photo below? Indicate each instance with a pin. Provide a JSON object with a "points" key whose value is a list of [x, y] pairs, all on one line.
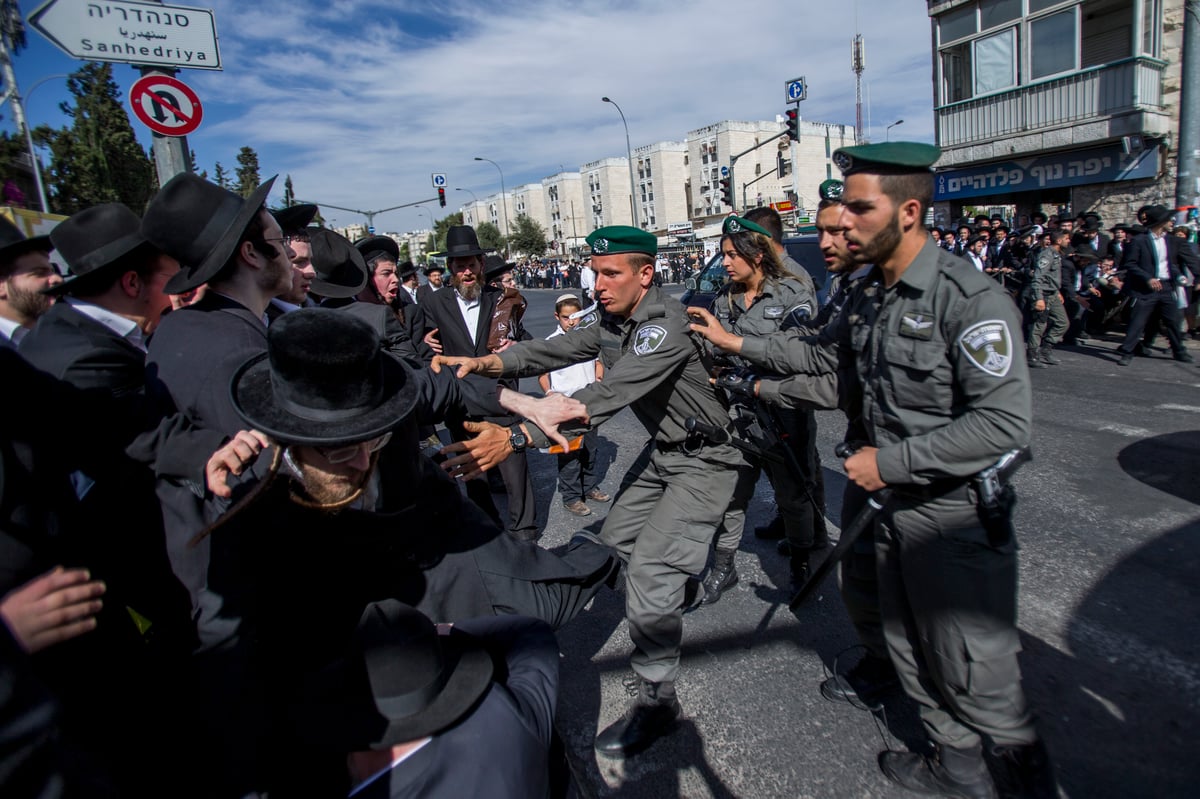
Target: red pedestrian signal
{"points": [[441, 197], [792, 121], [727, 192]]}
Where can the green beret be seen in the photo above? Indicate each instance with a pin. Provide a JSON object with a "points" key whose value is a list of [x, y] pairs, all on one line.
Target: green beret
{"points": [[616, 239], [831, 190], [888, 158], [735, 224]]}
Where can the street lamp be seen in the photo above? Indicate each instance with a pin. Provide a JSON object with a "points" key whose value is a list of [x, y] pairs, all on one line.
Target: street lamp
{"points": [[428, 212], [503, 201], [468, 191], [887, 133], [629, 157]]}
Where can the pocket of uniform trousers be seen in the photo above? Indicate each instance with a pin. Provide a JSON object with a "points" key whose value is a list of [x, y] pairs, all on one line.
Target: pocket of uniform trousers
{"points": [[992, 667], [916, 381], [688, 550]]}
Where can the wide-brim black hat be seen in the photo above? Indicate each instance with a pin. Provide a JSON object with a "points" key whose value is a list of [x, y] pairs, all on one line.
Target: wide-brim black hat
{"points": [[494, 266], [199, 224], [294, 217], [462, 242], [95, 244], [406, 270], [1157, 215], [371, 245], [433, 268], [400, 682], [341, 270], [14, 244], [324, 380]]}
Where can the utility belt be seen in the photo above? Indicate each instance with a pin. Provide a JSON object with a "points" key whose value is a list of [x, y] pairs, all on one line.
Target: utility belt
{"points": [[954, 488]]}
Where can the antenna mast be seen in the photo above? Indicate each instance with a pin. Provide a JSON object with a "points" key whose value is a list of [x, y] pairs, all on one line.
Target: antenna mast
{"points": [[858, 63]]}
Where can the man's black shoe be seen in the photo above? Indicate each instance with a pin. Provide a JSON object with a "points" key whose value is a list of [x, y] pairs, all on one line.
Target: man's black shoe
{"points": [[1023, 771], [1126, 358], [1033, 358], [651, 716], [1047, 354], [1184, 357], [772, 531], [952, 772], [872, 679], [723, 575]]}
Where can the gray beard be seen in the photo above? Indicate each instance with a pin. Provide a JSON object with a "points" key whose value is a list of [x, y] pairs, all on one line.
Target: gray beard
{"points": [[469, 293]]}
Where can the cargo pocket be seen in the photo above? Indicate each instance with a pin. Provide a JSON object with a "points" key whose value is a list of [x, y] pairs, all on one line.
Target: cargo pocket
{"points": [[992, 664], [688, 550], [915, 378]]}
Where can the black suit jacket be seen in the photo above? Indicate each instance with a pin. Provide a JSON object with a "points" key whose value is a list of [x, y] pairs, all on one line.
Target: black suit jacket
{"points": [[424, 291], [1141, 263]]}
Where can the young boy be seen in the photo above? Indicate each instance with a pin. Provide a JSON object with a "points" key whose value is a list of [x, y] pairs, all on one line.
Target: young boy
{"points": [[576, 469]]}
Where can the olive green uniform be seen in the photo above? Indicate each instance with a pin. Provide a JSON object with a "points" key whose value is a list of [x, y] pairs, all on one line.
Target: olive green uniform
{"points": [[1048, 326], [670, 502], [935, 364]]}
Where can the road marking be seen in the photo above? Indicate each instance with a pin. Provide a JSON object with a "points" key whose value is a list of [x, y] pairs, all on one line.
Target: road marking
{"points": [[1169, 407], [1125, 430]]}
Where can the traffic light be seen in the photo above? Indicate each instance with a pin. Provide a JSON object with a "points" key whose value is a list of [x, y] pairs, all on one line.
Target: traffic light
{"points": [[727, 191], [792, 121], [441, 197]]}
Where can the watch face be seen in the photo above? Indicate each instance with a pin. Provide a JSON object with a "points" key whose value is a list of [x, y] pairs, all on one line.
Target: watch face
{"points": [[517, 441]]}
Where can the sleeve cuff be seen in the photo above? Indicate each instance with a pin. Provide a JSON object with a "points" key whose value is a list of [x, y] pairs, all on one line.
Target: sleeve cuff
{"points": [[890, 462], [754, 349]]}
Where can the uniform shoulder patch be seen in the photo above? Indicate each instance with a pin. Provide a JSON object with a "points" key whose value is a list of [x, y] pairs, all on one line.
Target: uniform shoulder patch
{"points": [[587, 317], [989, 346], [648, 339]]}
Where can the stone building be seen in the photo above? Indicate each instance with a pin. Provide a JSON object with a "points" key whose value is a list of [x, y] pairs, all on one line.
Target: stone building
{"points": [[660, 176], [566, 221], [606, 192]]}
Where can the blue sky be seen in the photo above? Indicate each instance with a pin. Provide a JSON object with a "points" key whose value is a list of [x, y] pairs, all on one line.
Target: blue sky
{"points": [[360, 100]]}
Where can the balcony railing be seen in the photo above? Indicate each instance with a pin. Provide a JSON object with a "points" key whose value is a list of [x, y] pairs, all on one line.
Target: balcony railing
{"points": [[1132, 84]]}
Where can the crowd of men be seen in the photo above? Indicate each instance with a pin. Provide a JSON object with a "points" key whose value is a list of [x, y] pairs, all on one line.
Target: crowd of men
{"points": [[238, 519]]}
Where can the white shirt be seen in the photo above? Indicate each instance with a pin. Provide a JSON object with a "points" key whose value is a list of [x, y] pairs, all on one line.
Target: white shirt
{"points": [[570, 379], [587, 278], [392, 765], [125, 328], [12, 331], [975, 259], [1163, 271], [470, 312]]}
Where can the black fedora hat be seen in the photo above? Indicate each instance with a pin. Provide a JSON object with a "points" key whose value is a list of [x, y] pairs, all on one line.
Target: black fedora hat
{"points": [[1157, 215], [324, 380], [294, 217], [406, 270], [461, 241], [373, 245], [199, 224], [400, 681], [494, 266], [433, 267], [341, 270], [14, 244], [95, 243]]}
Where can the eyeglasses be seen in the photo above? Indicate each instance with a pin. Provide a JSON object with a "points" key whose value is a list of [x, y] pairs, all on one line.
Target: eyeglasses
{"points": [[349, 453], [298, 237]]}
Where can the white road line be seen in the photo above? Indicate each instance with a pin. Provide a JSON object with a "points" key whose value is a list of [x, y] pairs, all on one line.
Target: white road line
{"points": [[1125, 430], [1169, 407]]}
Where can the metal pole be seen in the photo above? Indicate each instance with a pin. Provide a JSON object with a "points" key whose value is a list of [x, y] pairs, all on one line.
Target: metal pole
{"points": [[10, 78], [887, 132], [503, 201], [171, 153], [629, 157], [1187, 177]]}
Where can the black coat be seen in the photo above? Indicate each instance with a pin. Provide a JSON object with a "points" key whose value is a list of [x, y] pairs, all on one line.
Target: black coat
{"points": [[1141, 263]]}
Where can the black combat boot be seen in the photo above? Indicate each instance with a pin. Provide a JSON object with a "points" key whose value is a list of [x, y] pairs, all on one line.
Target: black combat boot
{"points": [[960, 773], [1047, 354], [721, 576], [1033, 358], [772, 531], [1023, 772], [651, 716], [798, 561], [868, 682]]}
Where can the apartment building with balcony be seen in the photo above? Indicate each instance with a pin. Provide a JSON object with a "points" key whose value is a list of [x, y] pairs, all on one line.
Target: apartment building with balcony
{"points": [[566, 223], [1055, 104], [529, 200], [605, 188], [660, 178]]}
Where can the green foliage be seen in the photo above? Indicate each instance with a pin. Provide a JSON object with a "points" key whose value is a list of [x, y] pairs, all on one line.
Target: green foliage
{"points": [[14, 166], [98, 159], [221, 177], [247, 172], [404, 256], [441, 226], [490, 237], [528, 236]]}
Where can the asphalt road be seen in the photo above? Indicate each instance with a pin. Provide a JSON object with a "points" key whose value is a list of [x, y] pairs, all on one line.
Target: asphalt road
{"points": [[1110, 556]]}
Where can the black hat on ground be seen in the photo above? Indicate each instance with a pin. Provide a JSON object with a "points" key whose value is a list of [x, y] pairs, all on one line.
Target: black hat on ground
{"points": [[1157, 215], [461, 241], [199, 224], [372, 246], [14, 244], [95, 244], [295, 217], [341, 270], [401, 681], [494, 266], [324, 380]]}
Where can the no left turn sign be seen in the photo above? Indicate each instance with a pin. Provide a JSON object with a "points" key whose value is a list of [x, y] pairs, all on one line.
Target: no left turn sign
{"points": [[165, 105]]}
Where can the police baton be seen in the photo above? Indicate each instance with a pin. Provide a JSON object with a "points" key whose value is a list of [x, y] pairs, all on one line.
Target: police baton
{"points": [[865, 518]]}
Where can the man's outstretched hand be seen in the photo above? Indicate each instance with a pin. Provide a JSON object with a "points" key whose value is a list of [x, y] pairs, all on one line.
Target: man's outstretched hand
{"points": [[488, 365]]}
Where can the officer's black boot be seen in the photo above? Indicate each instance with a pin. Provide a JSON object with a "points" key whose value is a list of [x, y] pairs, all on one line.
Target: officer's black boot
{"points": [[1023, 772], [1048, 355], [800, 569], [1033, 358], [721, 576], [651, 716], [953, 772], [868, 682]]}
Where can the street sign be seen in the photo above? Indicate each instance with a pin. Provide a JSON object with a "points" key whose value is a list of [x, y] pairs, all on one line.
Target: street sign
{"points": [[165, 105], [796, 89], [439, 180], [724, 171], [784, 205], [131, 32]]}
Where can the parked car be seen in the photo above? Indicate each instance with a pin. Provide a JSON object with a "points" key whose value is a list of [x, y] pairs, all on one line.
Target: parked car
{"points": [[702, 287]]}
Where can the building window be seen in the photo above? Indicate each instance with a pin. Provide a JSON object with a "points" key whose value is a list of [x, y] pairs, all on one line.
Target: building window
{"points": [[957, 24], [956, 73], [1053, 45], [996, 61], [998, 12], [1152, 27]]}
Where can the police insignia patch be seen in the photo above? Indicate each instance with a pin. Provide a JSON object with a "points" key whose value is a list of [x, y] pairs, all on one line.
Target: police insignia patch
{"points": [[647, 339], [773, 312], [600, 246], [916, 325], [733, 226], [989, 346]]}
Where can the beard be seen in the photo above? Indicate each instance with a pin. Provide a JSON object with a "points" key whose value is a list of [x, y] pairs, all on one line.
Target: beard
{"points": [[30, 304], [470, 292], [882, 245]]}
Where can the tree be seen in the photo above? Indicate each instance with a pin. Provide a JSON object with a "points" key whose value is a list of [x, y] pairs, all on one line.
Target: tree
{"points": [[489, 236], [528, 237], [98, 159], [441, 226], [221, 177], [289, 196], [247, 172]]}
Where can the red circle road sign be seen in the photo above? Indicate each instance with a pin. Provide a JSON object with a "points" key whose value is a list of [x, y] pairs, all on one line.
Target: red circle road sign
{"points": [[165, 105]]}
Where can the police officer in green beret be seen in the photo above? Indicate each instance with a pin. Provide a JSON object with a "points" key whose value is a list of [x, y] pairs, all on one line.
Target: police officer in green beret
{"points": [[927, 351], [674, 496]]}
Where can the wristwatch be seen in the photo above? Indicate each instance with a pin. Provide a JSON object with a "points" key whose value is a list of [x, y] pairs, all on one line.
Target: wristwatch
{"points": [[517, 439]]}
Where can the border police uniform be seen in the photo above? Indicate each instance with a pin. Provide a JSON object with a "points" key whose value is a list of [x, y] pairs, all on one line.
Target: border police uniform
{"points": [[944, 395], [670, 502], [1048, 326]]}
